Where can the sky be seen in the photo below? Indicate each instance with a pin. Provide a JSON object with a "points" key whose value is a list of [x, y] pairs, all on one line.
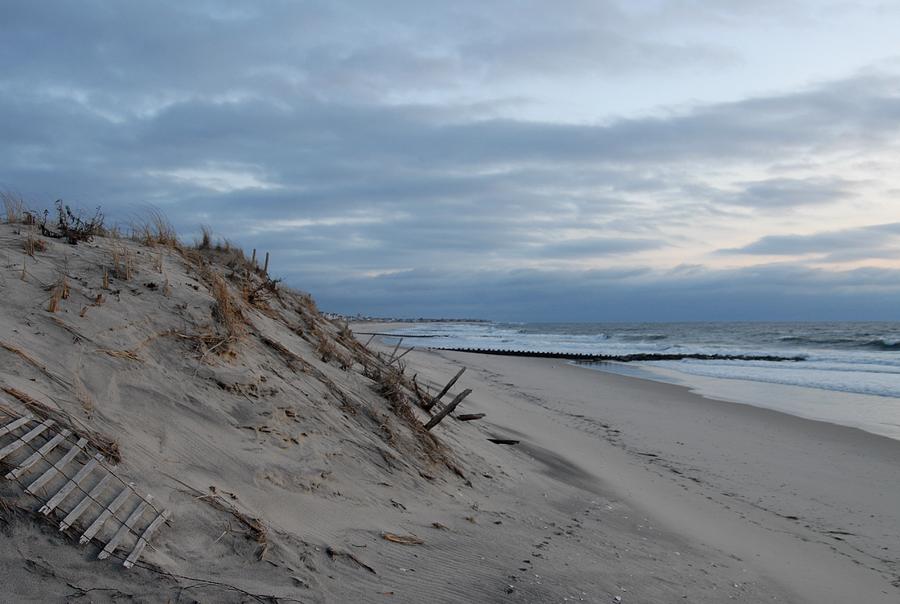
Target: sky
{"points": [[605, 160]]}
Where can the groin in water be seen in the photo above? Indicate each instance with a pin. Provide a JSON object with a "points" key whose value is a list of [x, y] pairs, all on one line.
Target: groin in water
{"points": [[625, 358]]}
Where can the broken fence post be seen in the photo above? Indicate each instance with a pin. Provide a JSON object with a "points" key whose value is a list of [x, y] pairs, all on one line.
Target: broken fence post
{"points": [[405, 352], [446, 389], [434, 421], [391, 360]]}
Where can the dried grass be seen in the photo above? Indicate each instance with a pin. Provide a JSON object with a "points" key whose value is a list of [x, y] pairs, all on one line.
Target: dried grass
{"points": [[226, 310], [104, 444], [13, 206], [254, 527], [60, 292], [123, 264], [129, 355], [33, 243], [36, 364], [155, 229], [402, 539], [205, 242]]}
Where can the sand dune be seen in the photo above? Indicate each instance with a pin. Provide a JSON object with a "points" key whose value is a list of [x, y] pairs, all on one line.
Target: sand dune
{"points": [[287, 452]]}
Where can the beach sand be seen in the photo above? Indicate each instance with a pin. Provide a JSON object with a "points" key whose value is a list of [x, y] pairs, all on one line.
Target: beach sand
{"points": [[804, 511], [273, 439]]}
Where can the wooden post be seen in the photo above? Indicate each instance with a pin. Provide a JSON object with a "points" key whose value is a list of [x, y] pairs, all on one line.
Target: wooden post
{"points": [[369, 341], [266, 267], [253, 259], [446, 410], [391, 360], [405, 352], [446, 389], [419, 396]]}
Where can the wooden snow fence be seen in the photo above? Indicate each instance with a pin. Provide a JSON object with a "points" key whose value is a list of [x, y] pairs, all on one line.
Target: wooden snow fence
{"points": [[76, 487]]}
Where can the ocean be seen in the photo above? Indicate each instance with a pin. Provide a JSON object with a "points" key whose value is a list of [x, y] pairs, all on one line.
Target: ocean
{"points": [[849, 372]]}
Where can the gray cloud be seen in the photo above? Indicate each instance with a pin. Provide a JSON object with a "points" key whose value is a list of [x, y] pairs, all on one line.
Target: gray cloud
{"points": [[302, 129], [863, 243], [789, 192], [773, 292]]}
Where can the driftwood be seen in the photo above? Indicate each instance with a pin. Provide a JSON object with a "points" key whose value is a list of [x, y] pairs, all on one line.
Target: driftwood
{"points": [[468, 417], [434, 421], [446, 389], [503, 441]]}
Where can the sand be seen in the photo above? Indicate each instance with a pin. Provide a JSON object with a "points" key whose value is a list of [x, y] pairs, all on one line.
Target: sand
{"points": [[619, 489], [806, 507]]}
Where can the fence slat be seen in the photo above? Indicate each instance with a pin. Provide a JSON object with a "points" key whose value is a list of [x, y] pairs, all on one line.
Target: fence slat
{"points": [[38, 455], [144, 539], [124, 529], [87, 500], [57, 467], [105, 514], [69, 486], [12, 426], [27, 438]]}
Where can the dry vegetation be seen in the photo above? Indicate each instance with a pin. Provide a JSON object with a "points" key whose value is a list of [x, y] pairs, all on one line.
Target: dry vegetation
{"points": [[241, 294], [13, 207]]}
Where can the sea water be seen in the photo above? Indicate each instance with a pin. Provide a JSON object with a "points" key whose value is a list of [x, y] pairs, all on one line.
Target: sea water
{"points": [[849, 372]]}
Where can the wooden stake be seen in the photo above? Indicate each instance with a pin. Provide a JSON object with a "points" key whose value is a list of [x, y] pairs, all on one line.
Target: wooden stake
{"points": [[253, 260], [266, 266], [446, 389], [391, 360], [446, 410], [369, 341], [405, 352]]}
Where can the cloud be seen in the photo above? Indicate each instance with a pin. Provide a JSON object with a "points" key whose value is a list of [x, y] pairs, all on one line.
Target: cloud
{"points": [[864, 243], [790, 192], [771, 292], [387, 139]]}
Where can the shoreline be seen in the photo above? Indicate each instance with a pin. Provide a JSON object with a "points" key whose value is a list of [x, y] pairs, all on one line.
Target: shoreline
{"points": [[877, 414], [807, 504]]}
